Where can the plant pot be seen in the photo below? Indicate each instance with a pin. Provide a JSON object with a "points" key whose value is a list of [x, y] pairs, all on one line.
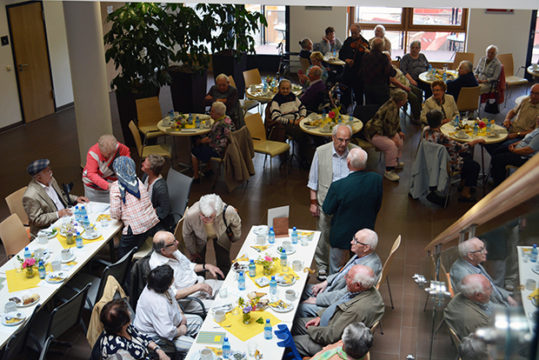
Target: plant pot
{"points": [[29, 272], [268, 270], [188, 90], [225, 63]]}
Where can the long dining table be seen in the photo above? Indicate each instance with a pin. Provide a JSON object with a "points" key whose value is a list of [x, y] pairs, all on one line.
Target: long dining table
{"points": [[245, 338], [12, 279]]}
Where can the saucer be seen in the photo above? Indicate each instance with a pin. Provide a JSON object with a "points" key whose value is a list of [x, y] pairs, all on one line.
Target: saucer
{"points": [[55, 277], [71, 258], [88, 236], [12, 318]]}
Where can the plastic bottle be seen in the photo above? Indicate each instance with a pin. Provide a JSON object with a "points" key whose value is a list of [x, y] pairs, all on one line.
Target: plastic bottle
{"points": [[171, 115], [76, 213], [197, 122], [444, 77], [78, 240], [271, 236], [533, 257], [27, 253], [190, 119], [273, 288], [226, 348], [86, 222], [294, 236], [252, 268], [83, 212], [284, 258], [241, 281], [41, 270], [457, 121], [267, 330]]}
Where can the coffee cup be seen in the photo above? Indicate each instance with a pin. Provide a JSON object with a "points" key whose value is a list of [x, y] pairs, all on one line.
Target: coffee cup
{"points": [[10, 307], [253, 88], [260, 239], [290, 295], [219, 315], [56, 265], [297, 265], [42, 238], [304, 240], [66, 254], [38, 253], [206, 354], [531, 284], [287, 245]]}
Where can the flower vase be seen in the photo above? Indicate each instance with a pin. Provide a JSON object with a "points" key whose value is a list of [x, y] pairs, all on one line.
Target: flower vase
{"points": [[246, 319], [268, 270], [29, 270], [70, 239]]}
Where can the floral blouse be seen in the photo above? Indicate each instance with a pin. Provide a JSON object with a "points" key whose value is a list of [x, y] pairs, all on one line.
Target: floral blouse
{"points": [[219, 134], [114, 346], [454, 148]]}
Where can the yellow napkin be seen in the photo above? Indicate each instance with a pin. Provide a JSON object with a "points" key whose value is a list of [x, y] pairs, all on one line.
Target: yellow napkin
{"points": [[62, 240], [17, 280], [276, 270], [246, 331]]}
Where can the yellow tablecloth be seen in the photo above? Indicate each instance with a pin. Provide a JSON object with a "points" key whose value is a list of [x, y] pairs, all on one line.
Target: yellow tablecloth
{"points": [[62, 240], [17, 280], [246, 331], [276, 270]]}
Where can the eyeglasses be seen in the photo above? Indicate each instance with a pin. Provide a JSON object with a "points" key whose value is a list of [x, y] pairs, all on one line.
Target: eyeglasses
{"points": [[343, 140], [171, 244], [355, 242], [483, 249]]}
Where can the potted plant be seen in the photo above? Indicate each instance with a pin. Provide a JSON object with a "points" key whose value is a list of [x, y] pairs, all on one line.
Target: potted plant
{"points": [[232, 40], [140, 46]]}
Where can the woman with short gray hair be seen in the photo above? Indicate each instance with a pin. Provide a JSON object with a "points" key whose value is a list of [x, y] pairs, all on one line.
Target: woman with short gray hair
{"points": [[488, 70], [211, 219], [157, 188], [354, 345], [380, 32], [413, 64]]}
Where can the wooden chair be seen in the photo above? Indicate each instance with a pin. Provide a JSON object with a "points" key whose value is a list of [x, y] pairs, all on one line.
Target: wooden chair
{"points": [[179, 236], [510, 79], [260, 143], [14, 203], [386, 267], [468, 99], [252, 77], [461, 56], [143, 151], [454, 337], [13, 234], [148, 115]]}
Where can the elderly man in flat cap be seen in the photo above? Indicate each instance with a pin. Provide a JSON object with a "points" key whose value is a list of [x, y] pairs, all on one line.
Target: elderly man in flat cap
{"points": [[43, 200]]}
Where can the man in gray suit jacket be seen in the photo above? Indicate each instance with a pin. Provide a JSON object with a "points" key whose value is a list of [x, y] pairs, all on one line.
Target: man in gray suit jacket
{"points": [[43, 200], [360, 301], [471, 308], [472, 253], [327, 292]]}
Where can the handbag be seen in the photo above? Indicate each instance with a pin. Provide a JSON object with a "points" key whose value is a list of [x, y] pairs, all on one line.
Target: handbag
{"points": [[229, 232], [492, 106]]}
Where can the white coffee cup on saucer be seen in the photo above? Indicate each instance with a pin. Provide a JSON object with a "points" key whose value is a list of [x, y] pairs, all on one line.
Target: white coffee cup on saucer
{"points": [[56, 265], [38, 253], [297, 265], [290, 295], [10, 307], [287, 245], [219, 315], [66, 254], [206, 354]]}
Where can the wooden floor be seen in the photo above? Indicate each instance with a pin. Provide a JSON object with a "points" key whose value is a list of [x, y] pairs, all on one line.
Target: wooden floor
{"points": [[406, 328]]}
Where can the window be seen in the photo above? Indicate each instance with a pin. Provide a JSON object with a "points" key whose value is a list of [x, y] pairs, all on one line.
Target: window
{"points": [[267, 38], [442, 32]]}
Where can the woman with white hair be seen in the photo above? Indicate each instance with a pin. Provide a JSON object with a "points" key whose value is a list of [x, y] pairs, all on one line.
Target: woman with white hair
{"points": [[213, 145], [413, 64], [380, 32], [354, 345], [488, 70], [211, 219]]}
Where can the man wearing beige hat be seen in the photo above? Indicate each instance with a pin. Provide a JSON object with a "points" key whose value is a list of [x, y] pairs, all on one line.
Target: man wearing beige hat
{"points": [[43, 200]]}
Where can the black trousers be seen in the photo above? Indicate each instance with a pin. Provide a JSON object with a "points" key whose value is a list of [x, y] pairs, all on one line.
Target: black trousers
{"points": [[470, 172], [222, 257], [500, 161], [130, 240]]}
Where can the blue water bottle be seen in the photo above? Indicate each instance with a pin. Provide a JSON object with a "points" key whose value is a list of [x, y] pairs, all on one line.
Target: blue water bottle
{"points": [[171, 115], [76, 213], [226, 348], [271, 236], [83, 211], [252, 268], [457, 121], [41, 270], [27, 253], [241, 281], [475, 129], [267, 330], [78, 240], [284, 258], [273, 288], [533, 257], [294, 236], [444, 77]]}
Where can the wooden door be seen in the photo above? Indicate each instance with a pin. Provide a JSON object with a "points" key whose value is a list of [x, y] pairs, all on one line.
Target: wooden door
{"points": [[31, 60]]}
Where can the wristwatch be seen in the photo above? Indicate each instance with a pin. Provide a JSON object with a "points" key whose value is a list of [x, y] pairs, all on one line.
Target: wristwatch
{"points": [[157, 347], [204, 266]]}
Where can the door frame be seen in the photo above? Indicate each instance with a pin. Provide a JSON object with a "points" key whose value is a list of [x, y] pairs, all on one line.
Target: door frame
{"points": [[15, 57]]}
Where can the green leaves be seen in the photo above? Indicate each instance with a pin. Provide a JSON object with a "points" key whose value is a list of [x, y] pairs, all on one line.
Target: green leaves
{"points": [[260, 320]]}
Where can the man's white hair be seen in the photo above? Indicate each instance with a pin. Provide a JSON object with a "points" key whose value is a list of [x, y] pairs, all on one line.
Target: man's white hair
{"points": [[222, 77], [466, 246], [369, 237], [365, 278], [381, 27], [211, 204], [492, 46], [358, 158], [336, 128], [107, 144], [219, 108], [357, 340], [471, 285]]}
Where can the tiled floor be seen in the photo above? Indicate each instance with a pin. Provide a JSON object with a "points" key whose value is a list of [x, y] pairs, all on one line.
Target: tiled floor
{"points": [[406, 329]]}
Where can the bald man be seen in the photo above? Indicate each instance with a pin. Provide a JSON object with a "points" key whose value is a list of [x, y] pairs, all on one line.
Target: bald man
{"points": [[471, 308], [472, 253]]}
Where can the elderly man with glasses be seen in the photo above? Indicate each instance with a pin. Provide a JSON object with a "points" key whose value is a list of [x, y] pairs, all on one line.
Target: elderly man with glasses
{"points": [[186, 281], [324, 294], [43, 200], [472, 253]]}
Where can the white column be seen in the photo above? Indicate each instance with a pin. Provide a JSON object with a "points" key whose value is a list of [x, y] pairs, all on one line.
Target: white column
{"points": [[88, 72]]}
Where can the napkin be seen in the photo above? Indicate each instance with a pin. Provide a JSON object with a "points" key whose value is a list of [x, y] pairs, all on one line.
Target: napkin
{"points": [[244, 332]]}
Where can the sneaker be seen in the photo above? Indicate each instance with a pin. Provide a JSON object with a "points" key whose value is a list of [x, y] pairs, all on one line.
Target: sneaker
{"points": [[322, 275], [399, 165], [391, 175]]}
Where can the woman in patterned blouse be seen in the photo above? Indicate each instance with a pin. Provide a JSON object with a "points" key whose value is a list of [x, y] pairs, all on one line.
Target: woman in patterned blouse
{"points": [[121, 340], [213, 145], [459, 154]]}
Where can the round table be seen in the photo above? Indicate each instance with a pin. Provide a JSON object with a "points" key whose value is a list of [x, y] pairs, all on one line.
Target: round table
{"points": [[357, 125], [533, 71], [256, 92], [426, 79], [186, 132], [334, 60], [448, 129]]}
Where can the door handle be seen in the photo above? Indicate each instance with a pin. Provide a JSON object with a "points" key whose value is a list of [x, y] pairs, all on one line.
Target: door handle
{"points": [[22, 66]]}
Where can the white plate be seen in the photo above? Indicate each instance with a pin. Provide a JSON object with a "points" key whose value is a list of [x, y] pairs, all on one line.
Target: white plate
{"points": [[290, 307], [21, 305], [262, 281], [71, 258], [51, 234], [260, 230], [535, 269], [280, 282], [241, 266], [86, 237], [288, 252], [13, 314], [59, 274]]}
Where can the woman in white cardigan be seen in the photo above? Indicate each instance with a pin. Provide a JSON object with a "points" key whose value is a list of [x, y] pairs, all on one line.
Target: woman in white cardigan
{"points": [[441, 101]]}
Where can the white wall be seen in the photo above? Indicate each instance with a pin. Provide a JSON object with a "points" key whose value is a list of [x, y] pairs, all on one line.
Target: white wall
{"points": [[312, 24], [59, 58], [507, 31]]}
